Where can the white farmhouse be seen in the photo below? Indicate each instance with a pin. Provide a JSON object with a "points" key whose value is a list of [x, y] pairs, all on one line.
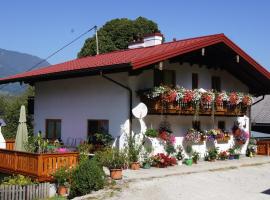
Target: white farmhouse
{"points": [[77, 98]]}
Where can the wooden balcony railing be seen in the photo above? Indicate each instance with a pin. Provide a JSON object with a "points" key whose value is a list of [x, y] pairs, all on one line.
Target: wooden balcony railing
{"points": [[10, 144], [158, 106], [37, 166]]}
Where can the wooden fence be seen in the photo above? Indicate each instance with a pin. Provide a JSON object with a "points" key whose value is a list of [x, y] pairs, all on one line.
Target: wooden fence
{"points": [[28, 192], [37, 166], [263, 147]]}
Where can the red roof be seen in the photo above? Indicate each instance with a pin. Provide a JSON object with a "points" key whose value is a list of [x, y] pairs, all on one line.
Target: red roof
{"points": [[137, 58]]}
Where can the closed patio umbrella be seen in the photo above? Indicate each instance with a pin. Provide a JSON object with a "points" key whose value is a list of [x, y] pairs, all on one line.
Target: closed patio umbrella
{"points": [[22, 133]]}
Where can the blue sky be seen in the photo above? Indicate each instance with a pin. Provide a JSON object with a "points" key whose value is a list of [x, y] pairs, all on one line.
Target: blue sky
{"points": [[41, 27]]}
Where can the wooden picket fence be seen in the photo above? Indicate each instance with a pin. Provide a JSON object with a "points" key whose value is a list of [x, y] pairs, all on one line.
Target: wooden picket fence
{"points": [[28, 192]]}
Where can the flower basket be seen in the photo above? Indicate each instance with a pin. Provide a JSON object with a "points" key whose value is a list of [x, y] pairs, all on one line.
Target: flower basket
{"points": [[225, 139]]}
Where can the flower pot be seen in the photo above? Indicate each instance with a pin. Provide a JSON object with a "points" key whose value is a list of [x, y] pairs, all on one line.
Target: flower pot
{"points": [[62, 190], [194, 161], [135, 166], [146, 166], [116, 174], [237, 156], [188, 162], [231, 157]]}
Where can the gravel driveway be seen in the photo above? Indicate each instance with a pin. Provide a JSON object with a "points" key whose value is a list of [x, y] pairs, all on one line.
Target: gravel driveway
{"points": [[247, 183]]}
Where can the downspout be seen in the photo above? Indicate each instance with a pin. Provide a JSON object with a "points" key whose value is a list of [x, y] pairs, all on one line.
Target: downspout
{"points": [[130, 97]]}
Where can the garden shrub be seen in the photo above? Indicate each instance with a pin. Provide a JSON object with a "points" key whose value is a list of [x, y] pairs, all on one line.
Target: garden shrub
{"points": [[17, 180], [87, 177]]}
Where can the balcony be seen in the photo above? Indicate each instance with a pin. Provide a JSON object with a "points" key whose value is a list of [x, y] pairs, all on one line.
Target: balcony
{"points": [[182, 101]]}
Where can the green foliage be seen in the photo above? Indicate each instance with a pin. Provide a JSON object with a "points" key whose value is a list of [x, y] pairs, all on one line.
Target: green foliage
{"points": [[189, 149], [134, 148], [112, 158], [117, 34], [17, 180], [62, 176], [169, 148], [105, 139], [87, 177], [151, 133], [195, 156], [84, 149], [212, 154], [36, 144], [10, 111]]}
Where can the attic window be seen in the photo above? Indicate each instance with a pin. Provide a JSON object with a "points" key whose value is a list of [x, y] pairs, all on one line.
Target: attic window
{"points": [[164, 77]]}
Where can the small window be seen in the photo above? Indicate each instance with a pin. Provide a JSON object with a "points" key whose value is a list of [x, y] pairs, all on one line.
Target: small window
{"points": [[97, 126], [216, 83], [194, 81], [53, 129], [164, 77], [221, 125], [196, 125]]}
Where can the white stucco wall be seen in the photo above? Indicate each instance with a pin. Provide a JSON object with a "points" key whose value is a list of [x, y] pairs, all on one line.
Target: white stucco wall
{"points": [[74, 101]]}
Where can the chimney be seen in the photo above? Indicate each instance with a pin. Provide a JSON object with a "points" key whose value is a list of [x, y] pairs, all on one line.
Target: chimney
{"points": [[148, 40]]}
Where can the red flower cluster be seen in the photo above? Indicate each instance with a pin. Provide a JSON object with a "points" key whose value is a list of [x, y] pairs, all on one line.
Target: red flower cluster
{"points": [[219, 100], [161, 160], [188, 96], [206, 98], [233, 98], [164, 135], [247, 100], [170, 96]]}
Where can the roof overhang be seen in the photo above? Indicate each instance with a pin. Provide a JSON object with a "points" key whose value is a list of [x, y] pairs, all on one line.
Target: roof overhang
{"points": [[220, 51]]}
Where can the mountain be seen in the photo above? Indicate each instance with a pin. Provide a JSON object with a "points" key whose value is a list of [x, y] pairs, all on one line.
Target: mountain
{"points": [[12, 62]]}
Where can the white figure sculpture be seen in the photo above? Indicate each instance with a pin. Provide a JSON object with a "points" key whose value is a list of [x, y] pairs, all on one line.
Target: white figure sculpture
{"points": [[140, 112], [2, 139]]}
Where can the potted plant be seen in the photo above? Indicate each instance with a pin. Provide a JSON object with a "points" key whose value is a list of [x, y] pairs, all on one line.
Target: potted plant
{"points": [[114, 159], [231, 153], [195, 157], [61, 176], [179, 154], [223, 155], [188, 161], [151, 133], [134, 149], [237, 152], [147, 160], [212, 154]]}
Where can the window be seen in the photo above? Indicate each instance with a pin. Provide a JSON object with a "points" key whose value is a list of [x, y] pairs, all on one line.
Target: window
{"points": [[164, 77], [196, 125], [97, 126], [216, 83], [194, 81], [53, 129], [221, 125]]}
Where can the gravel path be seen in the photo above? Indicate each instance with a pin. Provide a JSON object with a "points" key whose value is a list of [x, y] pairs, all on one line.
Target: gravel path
{"points": [[242, 183]]}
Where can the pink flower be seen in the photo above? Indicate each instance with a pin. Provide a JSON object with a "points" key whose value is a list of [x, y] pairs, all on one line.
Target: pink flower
{"points": [[61, 150]]}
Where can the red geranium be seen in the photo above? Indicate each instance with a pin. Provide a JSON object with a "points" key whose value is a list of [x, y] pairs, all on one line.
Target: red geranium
{"points": [[164, 135], [233, 98], [188, 96], [247, 100]]}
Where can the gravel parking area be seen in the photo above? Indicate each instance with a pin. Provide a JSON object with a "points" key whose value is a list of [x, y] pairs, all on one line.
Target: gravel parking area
{"points": [[245, 182]]}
